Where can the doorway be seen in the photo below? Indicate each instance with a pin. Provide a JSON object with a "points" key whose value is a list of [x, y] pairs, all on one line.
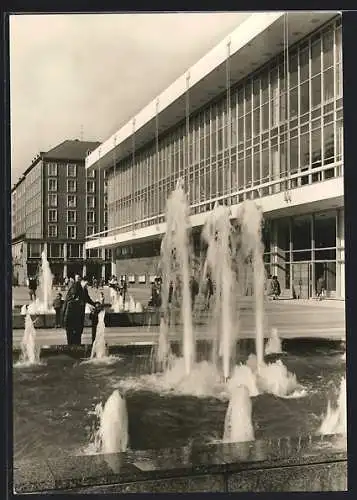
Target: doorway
{"points": [[301, 274]]}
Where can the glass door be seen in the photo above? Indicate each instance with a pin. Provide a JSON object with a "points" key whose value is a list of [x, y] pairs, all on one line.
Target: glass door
{"points": [[302, 280]]}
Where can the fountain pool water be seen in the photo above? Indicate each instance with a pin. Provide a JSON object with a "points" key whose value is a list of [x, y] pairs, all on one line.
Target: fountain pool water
{"points": [[54, 402]]}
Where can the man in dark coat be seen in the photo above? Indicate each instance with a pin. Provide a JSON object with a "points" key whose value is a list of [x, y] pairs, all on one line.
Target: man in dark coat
{"points": [[32, 285], [74, 310]]}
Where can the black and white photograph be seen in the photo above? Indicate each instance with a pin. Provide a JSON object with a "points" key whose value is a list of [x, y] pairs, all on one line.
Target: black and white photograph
{"points": [[178, 252]]}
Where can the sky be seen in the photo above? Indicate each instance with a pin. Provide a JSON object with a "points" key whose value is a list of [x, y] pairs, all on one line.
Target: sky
{"points": [[85, 75]]}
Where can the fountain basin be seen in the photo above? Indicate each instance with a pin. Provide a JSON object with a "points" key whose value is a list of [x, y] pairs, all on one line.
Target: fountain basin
{"points": [[307, 463], [40, 321], [306, 347], [146, 318]]}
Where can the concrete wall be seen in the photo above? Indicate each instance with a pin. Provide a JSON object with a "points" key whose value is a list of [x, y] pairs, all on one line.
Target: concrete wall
{"points": [[329, 476]]}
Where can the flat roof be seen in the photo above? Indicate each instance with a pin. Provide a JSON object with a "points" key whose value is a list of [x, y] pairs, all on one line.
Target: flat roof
{"points": [[257, 40]]}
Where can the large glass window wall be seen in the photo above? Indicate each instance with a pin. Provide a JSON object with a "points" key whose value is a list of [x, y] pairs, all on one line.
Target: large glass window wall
{"points": [[277, 131], [306, 248]]}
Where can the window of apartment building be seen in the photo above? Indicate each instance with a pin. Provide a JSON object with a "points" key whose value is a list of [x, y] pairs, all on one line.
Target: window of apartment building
{"points": [[90, 230], [90, 186], [52, 169], [71, 170], [55, 250], [34, 250], [108, 254], [71, 201], [71, 186], [52, 230], [71, 232], [71, 216], [93, 253], [52, 184], [52, 215], [90, 201], [52, 200], [91, 173], [74, 250], [91, 217], [105, 188], [105, 217]]}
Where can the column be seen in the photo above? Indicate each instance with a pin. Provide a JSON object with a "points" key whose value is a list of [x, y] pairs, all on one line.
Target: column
{"points": [[340, 250], [292, 290], [102, 271], [113, 263], [65, 268], [313, 276], [274, 248], [84, 261]]}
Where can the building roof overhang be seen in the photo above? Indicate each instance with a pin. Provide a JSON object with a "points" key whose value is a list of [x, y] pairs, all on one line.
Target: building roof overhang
{"points": [[254, 43]]}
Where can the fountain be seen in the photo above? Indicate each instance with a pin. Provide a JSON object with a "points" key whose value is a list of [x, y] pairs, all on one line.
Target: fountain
{"points": [[112, 435], [43, 304], [131, 307], [252, 247], [335, 421], [163, 350], [187, 398], [216, 233], [118, 303], [274, 378], [273, 346], [175, 253], [99, 348], [138, 307], [233, 251], [238, 426], [30, 352]]}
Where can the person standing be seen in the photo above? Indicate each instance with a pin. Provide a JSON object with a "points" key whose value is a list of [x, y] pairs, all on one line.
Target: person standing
{"points": [[123, 288], [57, 306], [275, 287], [32, 285], [320, 287], [74, 310]]}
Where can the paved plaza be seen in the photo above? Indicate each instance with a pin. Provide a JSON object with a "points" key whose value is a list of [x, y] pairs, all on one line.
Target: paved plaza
{"points": [[292, 318]]}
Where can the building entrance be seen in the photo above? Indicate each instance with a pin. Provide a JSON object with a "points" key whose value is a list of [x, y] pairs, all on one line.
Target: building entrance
{"points": [[301, 274]]}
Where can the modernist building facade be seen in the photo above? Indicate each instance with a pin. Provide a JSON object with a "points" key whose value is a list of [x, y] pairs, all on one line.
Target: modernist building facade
{"points": [[55, 205], [259, 117]]}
